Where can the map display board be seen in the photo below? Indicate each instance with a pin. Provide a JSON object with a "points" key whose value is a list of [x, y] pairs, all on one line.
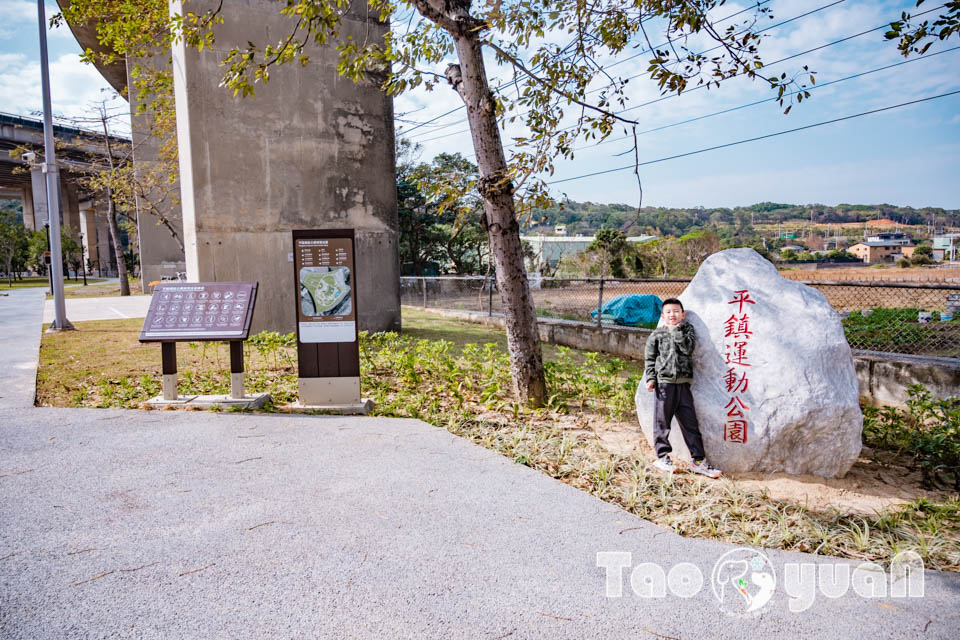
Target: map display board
{"points": [[326, 305], [199, 311]]}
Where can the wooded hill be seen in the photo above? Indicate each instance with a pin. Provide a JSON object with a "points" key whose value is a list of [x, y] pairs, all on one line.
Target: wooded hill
{"points": [[587, 217]]}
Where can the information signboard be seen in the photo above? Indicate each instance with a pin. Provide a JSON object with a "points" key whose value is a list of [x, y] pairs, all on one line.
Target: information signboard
{"points": [[326, 304], [328, 353], [199, 311]]}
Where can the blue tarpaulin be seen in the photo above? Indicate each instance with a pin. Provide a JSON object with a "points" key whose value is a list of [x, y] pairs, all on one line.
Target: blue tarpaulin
{"points": [[631, 310]]}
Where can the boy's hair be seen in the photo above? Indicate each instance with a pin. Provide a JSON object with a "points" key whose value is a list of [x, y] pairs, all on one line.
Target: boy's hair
{"points": [[672, 301]]}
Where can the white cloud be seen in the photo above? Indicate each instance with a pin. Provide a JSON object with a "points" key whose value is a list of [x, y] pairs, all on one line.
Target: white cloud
{"points": [[19, 10], [21, 15], [75, 86]]}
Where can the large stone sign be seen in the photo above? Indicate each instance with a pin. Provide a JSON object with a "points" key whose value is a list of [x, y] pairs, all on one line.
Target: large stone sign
{"points": [[774, 382]]}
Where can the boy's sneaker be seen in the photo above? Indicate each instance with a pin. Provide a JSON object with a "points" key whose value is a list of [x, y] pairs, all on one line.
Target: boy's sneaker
{"points": [[665, 464], [704, 469]]}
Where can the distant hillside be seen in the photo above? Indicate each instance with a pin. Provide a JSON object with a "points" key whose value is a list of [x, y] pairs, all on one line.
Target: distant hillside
{"points": [[587, 217]]}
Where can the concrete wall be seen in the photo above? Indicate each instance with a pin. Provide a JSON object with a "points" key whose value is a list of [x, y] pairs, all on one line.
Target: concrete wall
{"points": [[160, 253], [884, 378], [312, 150]]}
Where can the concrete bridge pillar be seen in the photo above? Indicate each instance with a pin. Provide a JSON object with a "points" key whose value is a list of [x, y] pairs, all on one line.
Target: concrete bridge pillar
{"points": [[29, 216], [106, 256], [312, 150], [38, 182], [88, 227], [160, 252], [69, 206]]}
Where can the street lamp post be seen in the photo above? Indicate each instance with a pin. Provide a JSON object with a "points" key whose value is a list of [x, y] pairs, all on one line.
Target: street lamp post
{"points": [[49, 166]]}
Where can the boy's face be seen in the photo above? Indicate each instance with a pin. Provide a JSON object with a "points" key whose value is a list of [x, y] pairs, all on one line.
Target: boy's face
{"points": [[673, 315]]}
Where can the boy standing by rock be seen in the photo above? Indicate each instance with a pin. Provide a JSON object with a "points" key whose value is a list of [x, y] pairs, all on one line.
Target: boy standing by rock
{"points": [[669, 371]]}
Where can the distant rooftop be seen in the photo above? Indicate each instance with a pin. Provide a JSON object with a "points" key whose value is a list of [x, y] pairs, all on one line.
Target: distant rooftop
{"points": [[882, 243]]}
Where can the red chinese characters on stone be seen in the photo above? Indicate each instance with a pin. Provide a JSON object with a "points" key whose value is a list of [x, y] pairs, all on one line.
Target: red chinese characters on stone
{"points": [[735, 380], [737, 327], [736, 408], [735, 431], [741, 297], [737, 354], [735, 384]]}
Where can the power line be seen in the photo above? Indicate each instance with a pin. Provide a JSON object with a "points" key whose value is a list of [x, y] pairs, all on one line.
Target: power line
{"points": [[722, 20], [636, 55], [753, 104], [763, 137], [704, 86], [775, 62]]}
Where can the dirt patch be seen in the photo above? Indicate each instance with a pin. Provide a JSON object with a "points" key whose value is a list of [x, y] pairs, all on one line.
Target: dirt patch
{"points": [[877, 481]]}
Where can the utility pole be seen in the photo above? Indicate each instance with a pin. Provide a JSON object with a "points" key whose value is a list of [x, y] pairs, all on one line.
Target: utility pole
{"points": [[49, 166]]}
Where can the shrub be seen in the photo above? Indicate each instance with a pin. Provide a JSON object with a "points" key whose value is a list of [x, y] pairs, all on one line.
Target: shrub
{"points": [[928, 430]]}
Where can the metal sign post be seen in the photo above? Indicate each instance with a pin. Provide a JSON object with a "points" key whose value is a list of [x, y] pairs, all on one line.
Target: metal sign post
{"points": [[328, 352], [198, 312]]}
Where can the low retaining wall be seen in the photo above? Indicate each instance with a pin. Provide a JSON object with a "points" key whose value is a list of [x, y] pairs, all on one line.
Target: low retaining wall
{"points": [[884, 377]]}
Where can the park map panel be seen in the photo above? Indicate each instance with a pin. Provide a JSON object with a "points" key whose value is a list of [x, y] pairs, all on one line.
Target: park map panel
{"points": [[199, 311], [325, 278]]}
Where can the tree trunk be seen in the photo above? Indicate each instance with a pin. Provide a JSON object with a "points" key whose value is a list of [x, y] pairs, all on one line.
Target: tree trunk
{"points": [[469, 78], [117, 247]]}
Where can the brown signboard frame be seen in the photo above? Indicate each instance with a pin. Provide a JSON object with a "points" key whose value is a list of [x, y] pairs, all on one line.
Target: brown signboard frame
{"points": [[193, 333], [326, 359]]}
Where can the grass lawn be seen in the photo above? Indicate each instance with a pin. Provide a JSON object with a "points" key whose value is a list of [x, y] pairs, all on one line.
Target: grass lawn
{"points": [[455, 375], [100, 290], [36, 282], [423, 325]]}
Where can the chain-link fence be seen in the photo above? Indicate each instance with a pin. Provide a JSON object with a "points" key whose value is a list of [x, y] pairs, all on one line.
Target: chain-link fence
{"points": [[911, 318]]}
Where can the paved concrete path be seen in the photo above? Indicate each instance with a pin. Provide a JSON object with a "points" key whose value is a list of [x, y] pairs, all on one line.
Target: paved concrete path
{"points": [[101, 308], [204, 525], [21, 311]]}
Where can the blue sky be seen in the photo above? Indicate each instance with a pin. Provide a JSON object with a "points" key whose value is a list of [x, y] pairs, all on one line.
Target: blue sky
{"points": [[907, 156]]}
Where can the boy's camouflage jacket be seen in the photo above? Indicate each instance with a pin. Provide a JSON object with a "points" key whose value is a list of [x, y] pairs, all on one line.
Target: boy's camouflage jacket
{"points": [[669, 354]]}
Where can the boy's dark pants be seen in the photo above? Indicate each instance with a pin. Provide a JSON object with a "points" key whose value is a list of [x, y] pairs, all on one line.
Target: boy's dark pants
{"points": [[675, 399]]}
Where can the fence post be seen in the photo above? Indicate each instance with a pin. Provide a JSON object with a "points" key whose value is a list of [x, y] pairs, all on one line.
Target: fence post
{"points": [[424, 281], [489, 295], [600, 304]]}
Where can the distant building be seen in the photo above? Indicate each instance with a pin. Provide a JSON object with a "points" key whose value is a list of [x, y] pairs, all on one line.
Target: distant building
{"points": [[936, 255], [560, 230], [875, 252], [893, 237], [949, 245]]}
